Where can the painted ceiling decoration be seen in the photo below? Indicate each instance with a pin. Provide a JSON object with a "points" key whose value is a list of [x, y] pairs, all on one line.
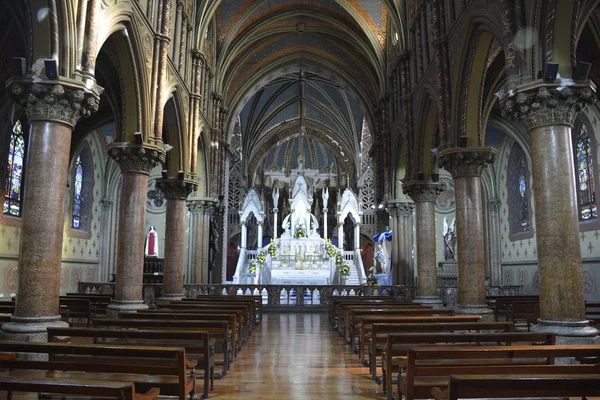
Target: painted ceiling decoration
{"points": [[301, 76]]}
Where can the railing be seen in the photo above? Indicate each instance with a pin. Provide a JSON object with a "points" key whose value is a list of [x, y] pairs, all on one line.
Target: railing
{"points": [[277, 296]]}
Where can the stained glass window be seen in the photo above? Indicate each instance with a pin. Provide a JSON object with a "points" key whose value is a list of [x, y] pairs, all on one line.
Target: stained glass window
{"points": [[584, 168], [77, 194], [518, 190], [14, 181]]}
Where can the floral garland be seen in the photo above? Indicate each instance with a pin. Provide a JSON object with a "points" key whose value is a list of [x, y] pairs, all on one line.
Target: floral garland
{"points": [[273, 247], [261, 258], [252, 268], [300, 232], [342, 266], [371, 281], [330, 249]]}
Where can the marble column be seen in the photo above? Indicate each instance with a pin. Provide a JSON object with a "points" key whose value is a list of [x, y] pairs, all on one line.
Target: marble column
{"points": [[424, 195], [136, 162], [259, 235], [275, 211], [548, 111], [53, 108], [357, 236], [176, 192], [396, 272], [495, 241], [466, 166], [244, 234], [341, 235], [104, 256], [404, 211], [325, 223]]}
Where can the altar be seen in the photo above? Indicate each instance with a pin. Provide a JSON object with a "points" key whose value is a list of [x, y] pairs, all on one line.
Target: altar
{"points": [[301, 255]]}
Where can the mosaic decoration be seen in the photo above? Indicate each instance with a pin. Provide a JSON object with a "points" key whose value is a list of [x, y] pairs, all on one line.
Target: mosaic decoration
{"points": [[16, 157], [76, 276], [585, 175], [11, 279], [157, 201], [588, 282], [445, 201], [77, 197]]}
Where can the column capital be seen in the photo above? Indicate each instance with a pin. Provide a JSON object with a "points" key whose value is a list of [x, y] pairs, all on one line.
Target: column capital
{"points": [[494, 204], [201, 206], [466, 161], [60, 100], [106, 204], [539, 103], [421, 191], [137, 158], [177, 188], [405, 209]]}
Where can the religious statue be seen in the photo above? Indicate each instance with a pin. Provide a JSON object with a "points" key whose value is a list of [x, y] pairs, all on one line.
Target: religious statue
{"points": [[151, 243], [449, 235]]}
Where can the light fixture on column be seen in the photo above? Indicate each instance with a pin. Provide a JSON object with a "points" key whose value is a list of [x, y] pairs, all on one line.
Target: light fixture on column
{"points": [[550, 72], [51, 67], [138, 138], [581, 71], [19, 66]]}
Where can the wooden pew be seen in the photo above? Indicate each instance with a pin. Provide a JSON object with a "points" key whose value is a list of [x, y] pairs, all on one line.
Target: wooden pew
{"points": [[365, 323], [398, 344], [216, 329], [165, 314], [247, 308], [249, 304], [198, 346], [335, 302], [336, 315], [429, 367], [380, 345], [346, 313], [148, 367], [79, 387], [256, 299], [353, 317], [244, 319], [515, 386]]}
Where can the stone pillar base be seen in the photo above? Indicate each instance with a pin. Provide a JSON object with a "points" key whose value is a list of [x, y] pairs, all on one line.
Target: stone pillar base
{"points": [[165, 298], [487, 315], [30, 329], [116, 307], [432, 301], [569, 332]]}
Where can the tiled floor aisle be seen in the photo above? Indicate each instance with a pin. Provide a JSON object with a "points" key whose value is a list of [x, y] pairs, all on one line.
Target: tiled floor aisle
{"points": [[296, 356]]}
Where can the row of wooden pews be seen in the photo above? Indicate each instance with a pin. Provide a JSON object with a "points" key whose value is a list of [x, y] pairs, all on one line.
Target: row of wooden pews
{"points": [[162, 350], [74, 308], [435, 354]]}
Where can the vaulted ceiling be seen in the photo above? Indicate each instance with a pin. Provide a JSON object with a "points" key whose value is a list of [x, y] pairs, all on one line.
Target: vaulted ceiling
{"points": [[314, 67]]}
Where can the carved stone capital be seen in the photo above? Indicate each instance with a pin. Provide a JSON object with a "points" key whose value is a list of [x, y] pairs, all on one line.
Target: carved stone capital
{"points": [[202, 206], [176, 188], [106, 204], [59, 100], [539, 103], [466, 161], [137, 158], [494, 203], [421, 191], [405, 209]]}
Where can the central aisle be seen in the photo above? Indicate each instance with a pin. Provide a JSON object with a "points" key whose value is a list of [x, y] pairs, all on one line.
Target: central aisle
{"points": [[296, 356]]}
